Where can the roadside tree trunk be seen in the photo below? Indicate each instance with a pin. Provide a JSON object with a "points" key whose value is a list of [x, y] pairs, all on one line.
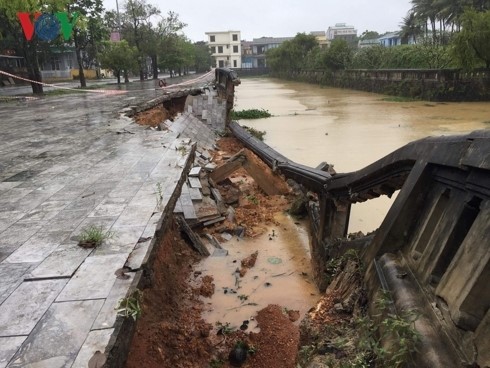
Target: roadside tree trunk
{"points": [[33, 69], [154, 65]]}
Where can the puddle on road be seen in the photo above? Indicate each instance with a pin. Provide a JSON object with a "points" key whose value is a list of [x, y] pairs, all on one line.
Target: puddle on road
{"points": [[287, 283]]}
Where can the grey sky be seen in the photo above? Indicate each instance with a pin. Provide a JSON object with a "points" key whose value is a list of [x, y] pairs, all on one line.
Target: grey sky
{"points": [[257, 18]]}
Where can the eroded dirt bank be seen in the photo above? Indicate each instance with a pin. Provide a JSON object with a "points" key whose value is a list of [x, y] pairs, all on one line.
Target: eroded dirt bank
{"points": [[171, 331]]}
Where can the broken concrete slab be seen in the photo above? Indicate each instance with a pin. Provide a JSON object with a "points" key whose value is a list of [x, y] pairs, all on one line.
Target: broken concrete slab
{"points": [[135, 259], [195, 194], [23, 309], [220, 253], [195, 182], [206, 209], [210, 167], [56, 340], [94, 278], [195, 239], [195, 171], [214, 221]]}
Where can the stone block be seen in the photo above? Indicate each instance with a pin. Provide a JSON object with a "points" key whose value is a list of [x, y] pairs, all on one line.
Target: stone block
{"points": [[8, 347], [57, 338], [23, 309]]}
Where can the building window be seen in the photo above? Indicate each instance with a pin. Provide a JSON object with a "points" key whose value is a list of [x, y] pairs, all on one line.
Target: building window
{"points": [[234, 63], [213, 50], [221, 63], [212, 39], [220, 49], [235, 48], [235, 37]]}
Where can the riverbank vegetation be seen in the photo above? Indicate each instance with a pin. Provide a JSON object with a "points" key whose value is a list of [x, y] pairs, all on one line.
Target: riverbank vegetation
{"points": [[460, 40], [250, 114]]}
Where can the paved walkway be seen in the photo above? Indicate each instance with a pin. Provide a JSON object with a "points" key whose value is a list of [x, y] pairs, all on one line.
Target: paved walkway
{"points": [[66, 163]]}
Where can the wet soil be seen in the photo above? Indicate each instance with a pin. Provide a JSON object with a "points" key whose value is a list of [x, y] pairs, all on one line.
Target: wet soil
{"points": [[166, 111], [171, 331]]}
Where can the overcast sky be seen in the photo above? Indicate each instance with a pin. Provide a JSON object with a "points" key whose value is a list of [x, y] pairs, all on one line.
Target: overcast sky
{"points": [[257, 18]]}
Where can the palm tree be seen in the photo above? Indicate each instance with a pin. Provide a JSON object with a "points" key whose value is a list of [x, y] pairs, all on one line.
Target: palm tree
{"points": [[425, 11], [411, 26]]}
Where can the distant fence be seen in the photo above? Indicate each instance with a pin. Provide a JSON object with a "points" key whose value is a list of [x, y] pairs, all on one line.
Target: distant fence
{"points": [[428, 84]]}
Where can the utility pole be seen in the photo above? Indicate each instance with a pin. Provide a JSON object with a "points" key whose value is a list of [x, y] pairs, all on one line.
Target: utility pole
{"points": [[118, 18]]}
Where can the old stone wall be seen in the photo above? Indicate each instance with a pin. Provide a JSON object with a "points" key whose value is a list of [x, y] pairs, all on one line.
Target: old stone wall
{"points": [[433, 85]]}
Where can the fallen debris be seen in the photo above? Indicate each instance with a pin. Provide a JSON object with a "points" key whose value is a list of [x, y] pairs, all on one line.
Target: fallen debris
{"points": [[195, 240]]}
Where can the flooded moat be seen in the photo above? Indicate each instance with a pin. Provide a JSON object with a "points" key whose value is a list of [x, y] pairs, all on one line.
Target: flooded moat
{"points": [[349, 129]]}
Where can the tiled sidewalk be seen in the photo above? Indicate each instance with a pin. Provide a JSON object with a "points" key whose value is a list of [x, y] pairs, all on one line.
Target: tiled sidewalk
{"points": [[66, 163]]}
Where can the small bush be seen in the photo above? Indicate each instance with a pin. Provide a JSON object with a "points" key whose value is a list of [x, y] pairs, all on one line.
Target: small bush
{"points": [[92, 236], [250, 114], [259, 134]]}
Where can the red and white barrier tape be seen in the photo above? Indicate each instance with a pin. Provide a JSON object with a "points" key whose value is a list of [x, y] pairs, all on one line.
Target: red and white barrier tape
{"points": [[190, 82], [107, 92], [110, 92]]}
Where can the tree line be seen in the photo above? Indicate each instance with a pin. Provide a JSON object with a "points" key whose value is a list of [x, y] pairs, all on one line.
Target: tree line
{"points": [[147, 37], [448, 34]]}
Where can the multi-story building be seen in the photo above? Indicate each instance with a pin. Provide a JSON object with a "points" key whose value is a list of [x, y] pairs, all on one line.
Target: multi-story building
{"points": [[260, 47], [225, 48], [247, 59], [321, 38], [343, 31]]}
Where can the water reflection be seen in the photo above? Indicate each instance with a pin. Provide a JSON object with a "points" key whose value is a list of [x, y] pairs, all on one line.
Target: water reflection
{"points": [[285, 282]]}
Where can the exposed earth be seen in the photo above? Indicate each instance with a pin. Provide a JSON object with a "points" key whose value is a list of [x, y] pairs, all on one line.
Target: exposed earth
{"points": [[171, 331]]}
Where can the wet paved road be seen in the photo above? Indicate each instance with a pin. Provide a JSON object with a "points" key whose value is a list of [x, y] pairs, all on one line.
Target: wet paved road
{"points": [[65, 163]]}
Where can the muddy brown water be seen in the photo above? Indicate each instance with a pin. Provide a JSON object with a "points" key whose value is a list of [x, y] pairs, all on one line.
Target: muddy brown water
{"points": [[281, 275], [349, 129]]}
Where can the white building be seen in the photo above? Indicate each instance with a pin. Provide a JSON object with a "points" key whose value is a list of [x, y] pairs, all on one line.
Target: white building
{"points": [[225, 48], [342, 30]]}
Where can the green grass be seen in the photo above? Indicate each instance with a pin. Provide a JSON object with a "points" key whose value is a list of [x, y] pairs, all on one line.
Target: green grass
{"points": [[259, 134], [130, 306], [250, 114], [92, 236]]}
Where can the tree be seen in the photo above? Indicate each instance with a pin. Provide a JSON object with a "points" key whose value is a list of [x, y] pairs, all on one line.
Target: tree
{"points": [[168, 30], [472, 44], [292, 54], [426, 13], [339, 55], [88, 31], [369, 35], [411, 27], [119, 57], [178, 54], [137, 28], [202, 57], [13, 36]]}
